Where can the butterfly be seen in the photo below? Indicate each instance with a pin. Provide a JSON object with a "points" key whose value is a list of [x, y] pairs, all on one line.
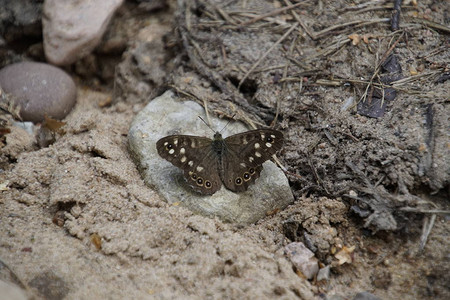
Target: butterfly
{"points": [[235, 161]]}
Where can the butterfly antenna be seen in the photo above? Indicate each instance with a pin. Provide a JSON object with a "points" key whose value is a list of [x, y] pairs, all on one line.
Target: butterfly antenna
{"points": [[227, 123], [206, 124]]}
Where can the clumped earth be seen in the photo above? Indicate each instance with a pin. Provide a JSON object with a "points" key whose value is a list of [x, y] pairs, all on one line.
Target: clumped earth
{"points": [[77, 221]]}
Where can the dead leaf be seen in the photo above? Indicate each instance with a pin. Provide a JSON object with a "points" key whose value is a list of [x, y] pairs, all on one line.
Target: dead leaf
{"points": [[96, 240], [356, 38], [52, 124], [345, 255], [105, 102], [413, 71]]}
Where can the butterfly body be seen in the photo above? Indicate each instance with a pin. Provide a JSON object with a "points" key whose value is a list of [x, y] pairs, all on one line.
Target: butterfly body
{"points": [[235, 161], [218, 144]]}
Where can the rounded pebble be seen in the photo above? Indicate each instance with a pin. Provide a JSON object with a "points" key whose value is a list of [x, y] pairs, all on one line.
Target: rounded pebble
{"points": [[39, 89]]}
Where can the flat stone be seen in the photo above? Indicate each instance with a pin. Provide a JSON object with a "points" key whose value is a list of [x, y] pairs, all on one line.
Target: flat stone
{"points": [[39, 89], [73, 28], [164, 116]]}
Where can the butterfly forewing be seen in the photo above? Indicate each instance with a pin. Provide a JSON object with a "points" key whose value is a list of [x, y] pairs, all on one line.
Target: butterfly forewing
{"points": [[236, 160], [194, 155], [244, 155]]}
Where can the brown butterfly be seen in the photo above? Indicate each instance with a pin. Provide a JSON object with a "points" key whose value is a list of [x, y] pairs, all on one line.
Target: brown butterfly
{"points": [[236, 160]]}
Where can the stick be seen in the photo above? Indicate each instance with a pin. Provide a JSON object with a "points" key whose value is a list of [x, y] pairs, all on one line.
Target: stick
{"points": [[357, 22], [272, 13], [426, 230], [395, 20]]}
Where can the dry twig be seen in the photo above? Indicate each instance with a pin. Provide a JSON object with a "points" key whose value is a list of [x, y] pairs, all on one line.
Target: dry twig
{"points": [[271, 14], [370, 85], [431, 24], [428, 224], [356, 22], [395, 21], [299, 20]]}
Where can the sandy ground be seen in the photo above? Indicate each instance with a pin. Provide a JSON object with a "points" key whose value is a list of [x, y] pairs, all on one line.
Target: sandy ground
{"points": [[78, 222]]}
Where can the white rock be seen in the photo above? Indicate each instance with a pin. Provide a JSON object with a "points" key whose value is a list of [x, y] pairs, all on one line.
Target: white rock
{"points": [[164, 116], [73, 28], [302, 258]]}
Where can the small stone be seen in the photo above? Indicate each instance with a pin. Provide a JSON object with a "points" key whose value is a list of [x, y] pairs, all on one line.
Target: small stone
{"points": [[353, 193], [76, 211], [324, 274], [365, 296], [29, 127], [336, 297], [302, 258], [39, 89]]}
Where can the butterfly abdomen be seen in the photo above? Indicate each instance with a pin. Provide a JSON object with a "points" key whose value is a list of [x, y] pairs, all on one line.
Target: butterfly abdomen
{"points": [[218, 147]]}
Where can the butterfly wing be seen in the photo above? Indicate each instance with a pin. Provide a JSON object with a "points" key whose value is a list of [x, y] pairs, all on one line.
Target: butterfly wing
{"points": [[195, 156], [244, 155]]}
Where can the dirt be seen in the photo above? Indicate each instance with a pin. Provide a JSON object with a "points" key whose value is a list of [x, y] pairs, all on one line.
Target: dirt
{"points": [[77, 221]]}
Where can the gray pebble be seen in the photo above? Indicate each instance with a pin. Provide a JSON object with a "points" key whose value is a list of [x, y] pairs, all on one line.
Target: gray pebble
{"points": [[40, 89], [324, 274], [365, 296]]}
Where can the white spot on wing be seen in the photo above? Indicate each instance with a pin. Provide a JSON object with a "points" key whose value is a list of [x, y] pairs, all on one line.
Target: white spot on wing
{"points": [[175, 141], [183, 159], [257, 154], [244, 140], [242, 165], [182, 151], [199, 169], [193, 144], [263, 136], [166, 143], [190, 163], [251, 159], [268, 145], [272, 136], [171, 151], [257, 145]]}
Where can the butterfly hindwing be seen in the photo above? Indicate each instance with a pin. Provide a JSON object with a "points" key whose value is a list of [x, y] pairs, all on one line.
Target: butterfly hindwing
{"points": [[203, 176], [244, 155], [195, 157], [236, 160], [237, 178]]}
